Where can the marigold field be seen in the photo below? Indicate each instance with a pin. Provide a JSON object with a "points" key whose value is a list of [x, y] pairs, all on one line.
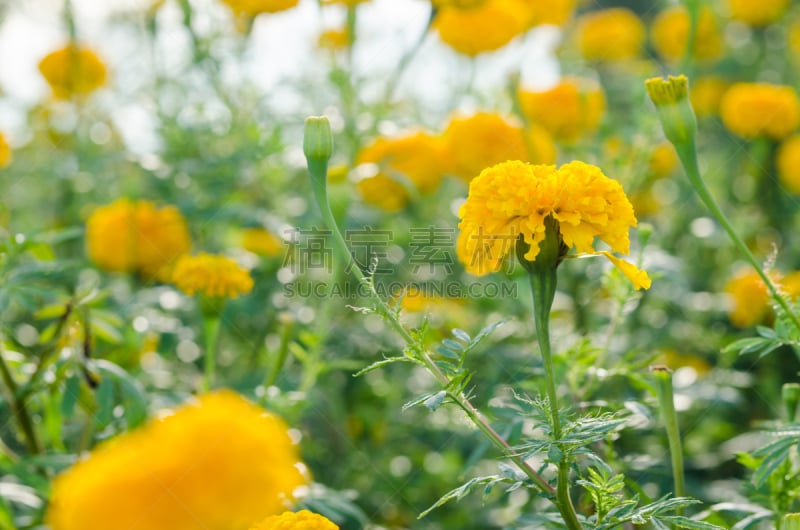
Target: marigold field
{"points": [[399, 264]]}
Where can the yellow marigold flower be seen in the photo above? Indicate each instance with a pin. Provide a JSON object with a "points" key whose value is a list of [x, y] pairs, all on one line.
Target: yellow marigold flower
{"points": [[136, 237], [416, 160], [73, 71], [485, 139], [670, 34], [302, 520], [513, 199], [568, 110], [787, 161], [751, 299], [487, 27], [554, 12], [759, 109], [663, 160], [614, 34], [705, 95], [261, 242], [757, 13], [211, 275], [5, 152], [458, 4], [217, 463], [253, 8], [334, 39]]}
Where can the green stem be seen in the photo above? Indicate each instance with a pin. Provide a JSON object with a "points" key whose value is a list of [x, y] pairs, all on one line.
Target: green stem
{"points": [[687, 152], [20, 411], [318, 170], [282, 354], [666, 400], [543, 290], [211, 334]]}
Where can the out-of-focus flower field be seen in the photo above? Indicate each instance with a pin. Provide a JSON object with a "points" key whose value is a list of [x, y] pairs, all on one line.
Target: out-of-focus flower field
{"points": [[529, 264]]}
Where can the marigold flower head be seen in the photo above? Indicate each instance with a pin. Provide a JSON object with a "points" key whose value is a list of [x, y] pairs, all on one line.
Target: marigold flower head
{"points": [[487, 27], [705, 95], [751, 299], [571, 108], [216, 463], [383, 192], [484, 139], [261, 242], [670, 34], [302, 520], [253, 8], [211, 275], [757, 13], [787, 162], [73, 71], [5, 152], [759, 109], [512, 200], [136, 237], [614, 34]]}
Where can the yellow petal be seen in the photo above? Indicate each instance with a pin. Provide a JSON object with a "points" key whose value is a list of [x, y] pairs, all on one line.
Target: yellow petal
{"points": [[638, 277]]}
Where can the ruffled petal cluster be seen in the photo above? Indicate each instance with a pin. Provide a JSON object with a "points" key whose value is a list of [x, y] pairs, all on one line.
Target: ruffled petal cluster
{"points": [[513, 199], [136, 237], [217, 463], [302, 520], [212, 276], [760, 109], [73, 71]]}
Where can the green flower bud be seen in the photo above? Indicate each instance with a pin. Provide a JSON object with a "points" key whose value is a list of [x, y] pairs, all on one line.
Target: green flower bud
{"points": [[317, 139], [671, 98]]}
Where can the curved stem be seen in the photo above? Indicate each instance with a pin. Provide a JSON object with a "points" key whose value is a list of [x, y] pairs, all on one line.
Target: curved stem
{"points": [[667, 402], [687, 152]]}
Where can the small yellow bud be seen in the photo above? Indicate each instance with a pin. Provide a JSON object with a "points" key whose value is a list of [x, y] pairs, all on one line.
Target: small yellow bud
{"points": [[317, 139], [671, 98]]}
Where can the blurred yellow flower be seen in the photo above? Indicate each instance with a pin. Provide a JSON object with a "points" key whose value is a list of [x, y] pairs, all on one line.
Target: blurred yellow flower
{"points": [[663, 160], [554, 12], [136, 237], [415, 160], [705, 94], [253, 8], [787, 162], [216, 463], [334, 39], [73, 71], [759, 109], [485, 139], [261, 242], [568, 110], [486, 27], [302, 520], [614, 34], [211, 275], [757, 12], [5, 152], [512, 200], [670, 34], [458, 4]]}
